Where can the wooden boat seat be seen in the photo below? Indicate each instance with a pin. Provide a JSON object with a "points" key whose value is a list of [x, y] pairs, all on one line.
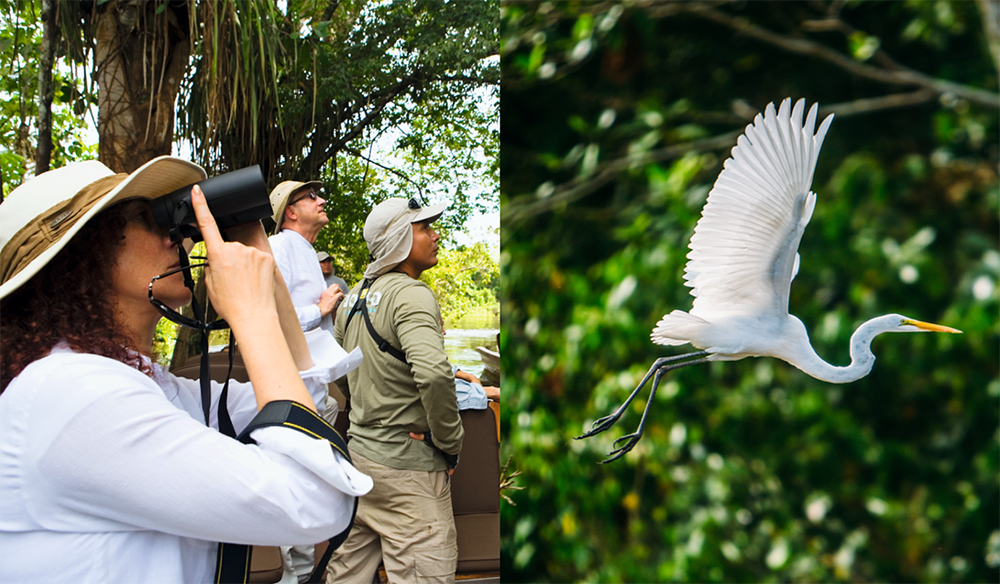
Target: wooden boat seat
{"points": [[475, 493]]}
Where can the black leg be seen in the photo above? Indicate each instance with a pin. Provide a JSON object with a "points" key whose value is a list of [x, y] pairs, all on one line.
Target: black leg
{"points": [[608, 421], [660, 366], [632, 439]]}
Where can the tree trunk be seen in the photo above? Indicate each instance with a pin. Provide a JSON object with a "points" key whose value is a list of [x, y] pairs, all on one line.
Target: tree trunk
{"points": [[50, 30], [140, 58]]}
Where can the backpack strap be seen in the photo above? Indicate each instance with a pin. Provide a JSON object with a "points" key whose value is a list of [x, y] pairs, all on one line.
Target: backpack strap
{"points": [[361, 305]]}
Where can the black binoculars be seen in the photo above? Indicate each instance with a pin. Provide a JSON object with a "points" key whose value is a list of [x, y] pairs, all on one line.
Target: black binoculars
{"points": [[233, 198]]}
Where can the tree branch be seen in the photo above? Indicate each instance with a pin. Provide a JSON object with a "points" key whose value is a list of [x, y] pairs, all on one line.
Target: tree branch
{"points": [[518, 211], [398, 173], [330, 8], [528, 205], [874, 104], [837, 25], [50, 31], [903, 76], [465, 78], [382, 101]]}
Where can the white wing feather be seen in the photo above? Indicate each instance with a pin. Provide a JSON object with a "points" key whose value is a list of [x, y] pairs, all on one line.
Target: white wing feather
{"points": [[744, 248]]}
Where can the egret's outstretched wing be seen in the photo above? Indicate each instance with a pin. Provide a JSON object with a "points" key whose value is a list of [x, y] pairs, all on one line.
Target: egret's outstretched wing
{"points": [[744, 249]]}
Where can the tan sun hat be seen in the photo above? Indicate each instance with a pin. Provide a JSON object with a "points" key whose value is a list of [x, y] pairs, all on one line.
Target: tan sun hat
{"points": [[388, 233], [39, 217], [283, 192]]}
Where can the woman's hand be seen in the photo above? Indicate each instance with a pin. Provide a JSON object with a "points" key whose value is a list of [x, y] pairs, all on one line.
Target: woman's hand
{"points": [[250, 234], [241, 284], [240, 278]]}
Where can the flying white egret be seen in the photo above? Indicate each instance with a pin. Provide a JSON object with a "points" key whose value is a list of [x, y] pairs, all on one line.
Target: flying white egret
{"points": [[742, 262]]}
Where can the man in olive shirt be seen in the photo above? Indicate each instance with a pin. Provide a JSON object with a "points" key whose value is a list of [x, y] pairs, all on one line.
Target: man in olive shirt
{"points": [[405, 428]]}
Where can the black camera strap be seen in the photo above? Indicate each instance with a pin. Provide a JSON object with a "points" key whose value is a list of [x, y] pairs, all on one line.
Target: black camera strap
{"points": [[204, 374], [233, 560]]}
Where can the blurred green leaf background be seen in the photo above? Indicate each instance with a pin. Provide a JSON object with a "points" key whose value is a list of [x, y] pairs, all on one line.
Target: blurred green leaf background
{"points": [[616, 119]]}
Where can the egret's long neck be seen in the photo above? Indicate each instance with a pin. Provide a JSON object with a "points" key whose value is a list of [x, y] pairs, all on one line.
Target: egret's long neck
{"points": [[862, 358]]}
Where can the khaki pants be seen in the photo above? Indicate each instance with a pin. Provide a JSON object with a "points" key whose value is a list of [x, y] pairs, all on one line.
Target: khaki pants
{"points": [[405, 521]]}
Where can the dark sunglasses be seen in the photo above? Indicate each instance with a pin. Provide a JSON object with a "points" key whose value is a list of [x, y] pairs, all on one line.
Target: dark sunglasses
{"points": [[177, 317], [413, 204], [311, 195]]}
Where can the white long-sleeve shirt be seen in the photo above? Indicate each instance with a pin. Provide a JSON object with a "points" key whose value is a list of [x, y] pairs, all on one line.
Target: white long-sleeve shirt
{"points": [[297, 262], [107, 475]]}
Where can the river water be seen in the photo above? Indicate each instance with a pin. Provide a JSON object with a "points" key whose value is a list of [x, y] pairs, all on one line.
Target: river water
{"points": [[463, 336], [460, 345]]}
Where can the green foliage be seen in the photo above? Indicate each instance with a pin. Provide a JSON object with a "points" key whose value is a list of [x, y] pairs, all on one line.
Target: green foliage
{"points": [[749, 470], [163, 341], [20, 44], [302, 88], [328, 80], [360, 187], [456, 164], [333, 84], [465, 280]]}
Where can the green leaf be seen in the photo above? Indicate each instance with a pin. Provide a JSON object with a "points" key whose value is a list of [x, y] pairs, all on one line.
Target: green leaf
{"points": [[863, 46]]}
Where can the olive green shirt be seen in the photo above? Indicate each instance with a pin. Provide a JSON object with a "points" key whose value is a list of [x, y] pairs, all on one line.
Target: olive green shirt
{"points": [[389, 398]]}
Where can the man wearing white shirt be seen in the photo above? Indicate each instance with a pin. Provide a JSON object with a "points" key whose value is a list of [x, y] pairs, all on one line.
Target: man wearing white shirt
{"points": [[299, 216]]}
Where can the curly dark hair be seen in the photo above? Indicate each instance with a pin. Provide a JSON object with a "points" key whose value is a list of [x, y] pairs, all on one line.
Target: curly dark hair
{"points": [[70, 300]]}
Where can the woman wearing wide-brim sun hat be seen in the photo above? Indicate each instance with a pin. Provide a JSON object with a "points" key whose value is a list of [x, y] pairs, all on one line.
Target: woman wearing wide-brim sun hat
{"points": [[109, 471]]}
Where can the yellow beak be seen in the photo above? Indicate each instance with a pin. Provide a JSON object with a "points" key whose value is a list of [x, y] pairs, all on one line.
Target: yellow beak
{"points": [[927, 326]]}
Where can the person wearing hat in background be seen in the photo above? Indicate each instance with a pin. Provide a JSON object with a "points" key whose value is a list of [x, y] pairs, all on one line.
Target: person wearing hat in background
{"points": [[405, 428], [298, 219], [330, 272], [110, 473]]}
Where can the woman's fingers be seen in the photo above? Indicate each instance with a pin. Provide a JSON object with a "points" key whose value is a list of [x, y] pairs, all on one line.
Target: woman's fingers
{"points": [[250, 234], [240, 279], [206, 223]]}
